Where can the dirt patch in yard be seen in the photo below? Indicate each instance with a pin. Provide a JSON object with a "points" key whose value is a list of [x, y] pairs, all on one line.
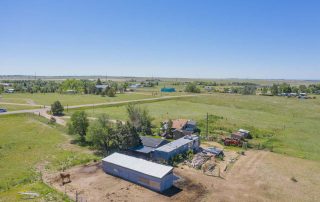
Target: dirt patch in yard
{"points": [[256, 176]]}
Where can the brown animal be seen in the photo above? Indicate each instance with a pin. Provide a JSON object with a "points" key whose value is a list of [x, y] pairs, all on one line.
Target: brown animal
{"points": [[65, 176]]}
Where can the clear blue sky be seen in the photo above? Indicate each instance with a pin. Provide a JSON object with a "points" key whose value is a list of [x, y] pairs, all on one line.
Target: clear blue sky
{"points": [[171, 38]]}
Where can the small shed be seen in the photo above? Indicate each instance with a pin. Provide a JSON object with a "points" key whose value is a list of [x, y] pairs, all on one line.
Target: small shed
{"points": [[176, 147], [245, 133], [168, 90], [148, 174]]}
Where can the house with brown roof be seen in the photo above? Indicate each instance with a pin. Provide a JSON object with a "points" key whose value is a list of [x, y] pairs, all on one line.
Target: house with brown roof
{"points": [[179, 128], [179, 124]]}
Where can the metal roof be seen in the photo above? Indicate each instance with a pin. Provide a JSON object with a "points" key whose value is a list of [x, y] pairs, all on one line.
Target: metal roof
{"points": [[143, 149], [243, 131], [103, 86], [152, 142], [190, 122], [139, 165], [177, 143]]}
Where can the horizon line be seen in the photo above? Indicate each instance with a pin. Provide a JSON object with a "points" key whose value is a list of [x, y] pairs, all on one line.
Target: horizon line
{"points": [[202, 78]]}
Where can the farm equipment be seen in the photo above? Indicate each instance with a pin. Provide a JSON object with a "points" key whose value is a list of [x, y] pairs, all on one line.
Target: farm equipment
{"points": [[232, 142]]}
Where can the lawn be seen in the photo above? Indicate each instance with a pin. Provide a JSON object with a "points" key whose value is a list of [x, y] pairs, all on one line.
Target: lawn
{"points": [[17, 107], [285, 125], [9, 98], [67, 99], [26, 142]]}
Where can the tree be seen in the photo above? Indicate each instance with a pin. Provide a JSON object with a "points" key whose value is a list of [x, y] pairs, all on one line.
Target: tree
{"points": [[99, 82], [126, 135], [79, 124], [192, 88], [139, 119], [57, 108], [111, 92], [102, 135], [285, 88], [294, 89], [264, 90], [1, 89], [303, 89], [249, 90], [275, 89]]}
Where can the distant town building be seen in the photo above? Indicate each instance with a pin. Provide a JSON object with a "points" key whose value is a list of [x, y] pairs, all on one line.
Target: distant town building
{"points": [[168, 90], [208, 88], [71, 91], [137, 85], [102, 87], [10, 90]]}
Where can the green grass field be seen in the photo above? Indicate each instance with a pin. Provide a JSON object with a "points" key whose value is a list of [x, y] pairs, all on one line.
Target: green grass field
{"points": [[66, 99], [25, 142], [11, 99], [287, 125], [17, 107]]}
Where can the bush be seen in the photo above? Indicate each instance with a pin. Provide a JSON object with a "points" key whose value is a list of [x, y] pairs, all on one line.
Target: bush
{"points": [[192, 88], [57, 108], [111, 92]]}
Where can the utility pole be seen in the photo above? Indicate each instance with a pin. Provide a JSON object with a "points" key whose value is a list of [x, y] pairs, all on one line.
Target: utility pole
{"points": [[207, 124]]}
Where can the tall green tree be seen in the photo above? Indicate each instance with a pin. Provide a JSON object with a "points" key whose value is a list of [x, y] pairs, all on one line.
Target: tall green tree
{"points": [[285, 88], [99, 82], [264, 90], [57, 108], [126, 135], [275, 89], [111, 92], [303, 88], [1, 89], [249, 90], [192, 88], [79, 124], [102, 134], [140, 119]]}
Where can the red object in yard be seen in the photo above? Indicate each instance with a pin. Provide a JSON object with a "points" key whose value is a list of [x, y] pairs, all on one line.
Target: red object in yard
{"points": [[232, 141]]}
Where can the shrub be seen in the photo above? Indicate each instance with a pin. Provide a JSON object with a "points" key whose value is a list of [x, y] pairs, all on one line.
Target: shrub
{"points": [[57, 108]]}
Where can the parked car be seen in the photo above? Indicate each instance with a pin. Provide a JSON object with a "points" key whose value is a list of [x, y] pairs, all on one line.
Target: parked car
{"points": [[2, 110]]}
